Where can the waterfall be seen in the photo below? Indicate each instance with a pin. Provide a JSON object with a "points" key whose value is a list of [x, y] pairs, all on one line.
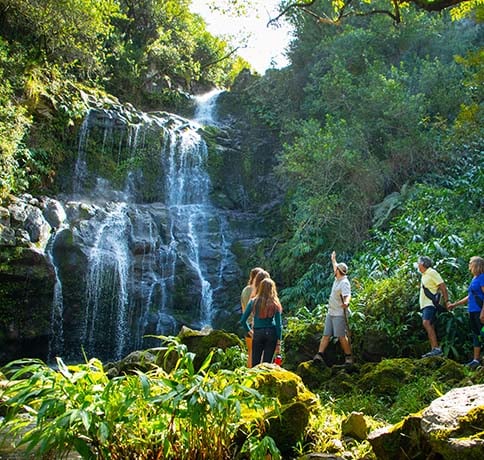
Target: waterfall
{"points": [[56, 344], [80, 169], [205, 107], [152, 252], [108, 270]]}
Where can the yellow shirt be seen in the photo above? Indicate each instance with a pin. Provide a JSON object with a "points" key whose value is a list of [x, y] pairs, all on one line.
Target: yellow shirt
{"points": [[431, 280]]}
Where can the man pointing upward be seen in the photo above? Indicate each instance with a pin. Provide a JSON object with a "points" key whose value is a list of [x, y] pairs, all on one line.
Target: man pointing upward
{"points": [[336, 324]]}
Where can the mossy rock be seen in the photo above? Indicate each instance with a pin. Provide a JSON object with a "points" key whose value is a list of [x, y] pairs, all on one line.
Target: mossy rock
{"points": [[454, 424], [140, 360], [286, 386], [288, 424], [288, 427], [355, 426], [427, 366], [313, 374], [451, 372], [340, 382], [203, 342], [386, 377], [477, 376], [401, 441]]}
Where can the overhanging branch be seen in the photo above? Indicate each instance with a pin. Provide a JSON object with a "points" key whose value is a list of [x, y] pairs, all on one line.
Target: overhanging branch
{"points": [[344, 12], [233, 51]]}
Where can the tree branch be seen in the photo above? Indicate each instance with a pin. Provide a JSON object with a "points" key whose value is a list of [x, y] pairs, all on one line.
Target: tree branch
{"points": [[437, 5], [290, 7], [202, 67], [428, 5]]}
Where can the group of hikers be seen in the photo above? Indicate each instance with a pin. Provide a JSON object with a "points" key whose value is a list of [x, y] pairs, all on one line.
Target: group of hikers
{"points": [[262, 311]]}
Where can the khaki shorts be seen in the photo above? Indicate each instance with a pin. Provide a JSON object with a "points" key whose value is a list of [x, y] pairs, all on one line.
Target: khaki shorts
{"points": [[335, 326]]}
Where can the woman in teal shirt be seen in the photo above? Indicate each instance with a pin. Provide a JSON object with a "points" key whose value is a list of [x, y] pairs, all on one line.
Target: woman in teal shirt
{"points": [[266, 330]]}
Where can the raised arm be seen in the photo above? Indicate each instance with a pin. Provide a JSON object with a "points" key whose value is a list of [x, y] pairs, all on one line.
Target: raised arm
{"points": [[333, 260]]}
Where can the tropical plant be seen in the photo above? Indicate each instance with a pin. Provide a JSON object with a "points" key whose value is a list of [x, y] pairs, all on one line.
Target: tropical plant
{"points": [[185, 413]]}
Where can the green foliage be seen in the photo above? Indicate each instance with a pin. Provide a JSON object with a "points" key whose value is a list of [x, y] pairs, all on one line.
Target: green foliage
{"points": [[72, 34], [14, 123], [376, 111], [385, 309], [336, 12], [379, 109], [411, 397], [442, 221], [160, 50], [181, 414], [329, 179]]}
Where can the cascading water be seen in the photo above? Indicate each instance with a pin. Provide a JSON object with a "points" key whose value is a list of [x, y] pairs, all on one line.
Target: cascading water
{"points": [[108, 276], [205, 109], [151, 254], [56, 344]]}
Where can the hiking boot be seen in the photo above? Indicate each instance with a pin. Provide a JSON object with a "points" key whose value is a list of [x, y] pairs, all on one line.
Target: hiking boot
{"points": [[318, 357], [349, 359], [473, 364], [433, 352]]}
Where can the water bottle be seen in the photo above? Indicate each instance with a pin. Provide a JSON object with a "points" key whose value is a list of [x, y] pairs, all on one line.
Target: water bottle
{"points": [[278, 359]]}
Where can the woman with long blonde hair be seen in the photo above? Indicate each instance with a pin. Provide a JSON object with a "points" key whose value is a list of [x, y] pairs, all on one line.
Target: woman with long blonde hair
{"points": [[266, 330], [257, 274]]}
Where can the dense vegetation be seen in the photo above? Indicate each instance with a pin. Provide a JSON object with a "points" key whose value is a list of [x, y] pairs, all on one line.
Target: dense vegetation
{"points": [[363, 110], [382, 160]]}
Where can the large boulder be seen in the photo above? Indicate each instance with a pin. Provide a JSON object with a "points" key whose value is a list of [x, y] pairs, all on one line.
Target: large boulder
{"points": [[386, 377], [454, 424], [198, 342], [288, 424], [204, 341], [401, 441], [452, 427], [314, 373]]}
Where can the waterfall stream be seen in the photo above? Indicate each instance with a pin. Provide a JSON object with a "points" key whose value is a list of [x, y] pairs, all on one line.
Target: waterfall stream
{"points": [[149, 255]]}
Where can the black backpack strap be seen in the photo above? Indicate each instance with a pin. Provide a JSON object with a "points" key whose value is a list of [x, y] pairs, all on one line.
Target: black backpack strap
{"points": [[428, 293], [477, 298], [435, 298]]}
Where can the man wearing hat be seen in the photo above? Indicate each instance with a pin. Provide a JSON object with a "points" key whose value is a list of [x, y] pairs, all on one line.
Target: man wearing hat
{"points": [[430, 284], [336, 324]]}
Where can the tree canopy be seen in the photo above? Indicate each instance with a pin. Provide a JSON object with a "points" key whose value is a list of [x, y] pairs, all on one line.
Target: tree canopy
{"points": [[335, 11]]}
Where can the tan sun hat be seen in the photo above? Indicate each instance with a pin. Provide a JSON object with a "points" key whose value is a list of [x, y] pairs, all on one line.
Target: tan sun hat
{"points": [[342, 267]]}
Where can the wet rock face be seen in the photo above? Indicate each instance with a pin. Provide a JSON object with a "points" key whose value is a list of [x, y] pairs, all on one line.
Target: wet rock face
{"points": [[138, 244], [27, 280]]}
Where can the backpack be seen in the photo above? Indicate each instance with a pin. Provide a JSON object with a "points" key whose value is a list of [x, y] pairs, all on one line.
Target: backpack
{"points": [[435, 298]]}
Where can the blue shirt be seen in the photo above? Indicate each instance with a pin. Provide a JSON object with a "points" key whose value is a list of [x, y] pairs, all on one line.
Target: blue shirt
{"points": [[275, 321], [475, 289]]}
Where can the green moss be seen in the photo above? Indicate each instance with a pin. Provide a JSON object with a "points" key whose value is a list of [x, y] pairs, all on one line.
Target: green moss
{"points": [[284, 385], [451, 372], [386, 377], [313, 374], [340, 384], [202, 343], [471, 425], [401, 441], [288, 427]]}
